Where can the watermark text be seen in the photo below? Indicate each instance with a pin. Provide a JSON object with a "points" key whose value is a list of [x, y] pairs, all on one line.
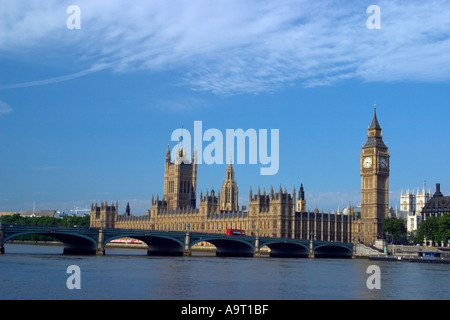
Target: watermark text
{"points": [[74, 20], [374, 280], [235, 145], [74, 280]]}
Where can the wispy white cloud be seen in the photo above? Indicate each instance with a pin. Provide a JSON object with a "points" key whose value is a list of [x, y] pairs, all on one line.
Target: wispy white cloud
{"points": [[72, 76], [236, 46]]}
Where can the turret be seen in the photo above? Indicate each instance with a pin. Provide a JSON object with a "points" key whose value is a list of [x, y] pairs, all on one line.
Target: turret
{"points": [[301, 201], [127, 210], [167, 155]]}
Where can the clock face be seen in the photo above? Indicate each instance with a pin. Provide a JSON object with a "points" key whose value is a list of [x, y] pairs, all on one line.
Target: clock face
{"points": [[367, 163], [383, 163]]}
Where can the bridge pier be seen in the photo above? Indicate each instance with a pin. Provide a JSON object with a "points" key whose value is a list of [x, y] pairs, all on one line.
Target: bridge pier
{"points": [[187, 245], [100, 247], [257, 254]]}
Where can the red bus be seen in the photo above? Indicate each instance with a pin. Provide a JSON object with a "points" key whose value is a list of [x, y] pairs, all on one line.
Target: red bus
{"points": [[235, 232]]}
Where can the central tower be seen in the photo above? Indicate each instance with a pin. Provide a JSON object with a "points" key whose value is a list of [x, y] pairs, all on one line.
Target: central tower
{"points": [[374, 184], [180, 180]]}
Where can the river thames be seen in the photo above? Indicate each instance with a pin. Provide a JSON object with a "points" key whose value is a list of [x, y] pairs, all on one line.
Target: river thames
{"points": [[40, 272]]}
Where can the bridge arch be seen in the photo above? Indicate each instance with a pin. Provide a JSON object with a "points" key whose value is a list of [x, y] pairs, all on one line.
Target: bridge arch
{"points": [[333, 250], [284, 248], [228, 247], [158, 245], [74, 243]]}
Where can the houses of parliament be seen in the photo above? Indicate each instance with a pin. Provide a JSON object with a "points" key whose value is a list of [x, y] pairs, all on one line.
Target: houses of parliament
{"points": [[277, 213]]}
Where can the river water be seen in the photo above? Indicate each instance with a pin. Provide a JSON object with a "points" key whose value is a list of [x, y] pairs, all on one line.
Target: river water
{"points": [[40, 272]]}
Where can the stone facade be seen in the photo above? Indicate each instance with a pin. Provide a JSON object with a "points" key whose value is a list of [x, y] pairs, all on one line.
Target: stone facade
{"points": [[273, 214], [104, 216], [411, 205], [180, 181]]}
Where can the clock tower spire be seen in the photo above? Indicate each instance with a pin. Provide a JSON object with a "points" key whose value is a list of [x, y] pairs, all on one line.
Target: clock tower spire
{"points": [[374, 171]]}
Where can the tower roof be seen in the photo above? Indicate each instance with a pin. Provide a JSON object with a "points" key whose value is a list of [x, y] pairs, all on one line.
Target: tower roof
{"points": [[438, 203], [375, 138], [229, 174], [375, 124], [301, 193]]}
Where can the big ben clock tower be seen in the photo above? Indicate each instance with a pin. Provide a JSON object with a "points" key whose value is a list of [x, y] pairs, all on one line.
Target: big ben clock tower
{"points": [[374, 184]]}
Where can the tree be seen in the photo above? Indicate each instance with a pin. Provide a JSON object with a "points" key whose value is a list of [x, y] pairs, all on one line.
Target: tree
{"points": [[412, 237], [443, 230], [72, 221], [48, 221], [13, 219], [428, 229], [395, 227]]}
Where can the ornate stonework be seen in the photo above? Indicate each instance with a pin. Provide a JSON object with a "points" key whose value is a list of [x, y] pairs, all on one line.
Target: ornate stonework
{"points": [[374, 184], [272, 214]]}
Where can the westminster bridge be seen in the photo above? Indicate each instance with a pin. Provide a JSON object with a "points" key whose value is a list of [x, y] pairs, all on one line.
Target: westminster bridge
{"points": [[177, 243]]}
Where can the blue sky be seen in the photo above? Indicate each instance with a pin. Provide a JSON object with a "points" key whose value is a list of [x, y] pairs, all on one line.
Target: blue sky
{"points": [[86, 115]]}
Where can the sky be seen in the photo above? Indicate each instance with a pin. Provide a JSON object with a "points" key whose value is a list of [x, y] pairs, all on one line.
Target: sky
{"points": [[86, 114]]}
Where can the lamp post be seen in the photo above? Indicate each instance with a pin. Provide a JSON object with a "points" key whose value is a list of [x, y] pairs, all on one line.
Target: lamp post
{"points": [[311, 245]]}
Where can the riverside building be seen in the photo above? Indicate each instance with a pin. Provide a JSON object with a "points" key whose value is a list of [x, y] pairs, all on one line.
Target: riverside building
{"points": [[276, 213]]}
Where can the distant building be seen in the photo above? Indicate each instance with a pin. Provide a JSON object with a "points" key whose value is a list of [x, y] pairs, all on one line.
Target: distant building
{"points": [[33, 214], [411, 205], [437, 205], [37, 213], [4, 213]]}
